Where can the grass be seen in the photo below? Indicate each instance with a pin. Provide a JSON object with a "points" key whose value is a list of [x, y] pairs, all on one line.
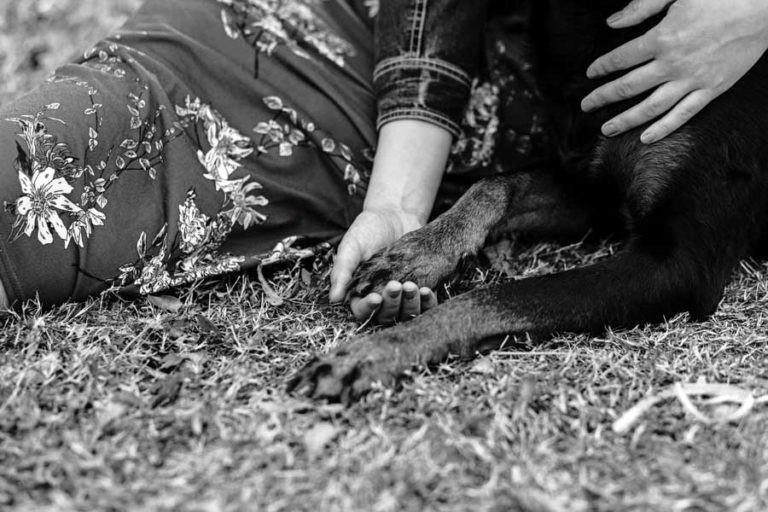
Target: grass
{"points": [[179, 404]]}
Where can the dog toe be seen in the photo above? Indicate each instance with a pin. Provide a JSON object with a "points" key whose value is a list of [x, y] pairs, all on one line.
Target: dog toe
{"points": [[331, 380]]}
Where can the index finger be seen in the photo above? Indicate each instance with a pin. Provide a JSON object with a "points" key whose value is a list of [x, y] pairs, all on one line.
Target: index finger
{"points": [[636, 12], [628, 55], [345, 263]]}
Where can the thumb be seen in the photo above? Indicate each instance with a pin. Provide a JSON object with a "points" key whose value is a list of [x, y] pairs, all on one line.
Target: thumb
{"points": [[637, 12], [347, 259]]}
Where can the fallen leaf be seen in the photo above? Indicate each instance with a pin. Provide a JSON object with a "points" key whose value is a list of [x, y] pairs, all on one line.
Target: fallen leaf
{"points": [[167, 390], [318, 437], [108, 412], [272, 297], [483, 366], [205, 326], [166, 302], [306, 277], [171, 362]]}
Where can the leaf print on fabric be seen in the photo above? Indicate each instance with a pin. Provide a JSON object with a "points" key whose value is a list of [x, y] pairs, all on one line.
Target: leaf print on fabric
{"points": [[373, 7], [287, 130], [152, 275], [108, 57], [47, 169], [43, 147], [197, 257], [268, 24], [82, 227], [194, 253]]}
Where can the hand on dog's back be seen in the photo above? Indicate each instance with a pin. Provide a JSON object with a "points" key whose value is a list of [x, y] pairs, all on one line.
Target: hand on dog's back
{"points": [[697, 52]]}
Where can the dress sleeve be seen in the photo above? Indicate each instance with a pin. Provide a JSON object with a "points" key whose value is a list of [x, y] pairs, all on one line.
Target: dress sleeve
{"points": [[426, 52]]}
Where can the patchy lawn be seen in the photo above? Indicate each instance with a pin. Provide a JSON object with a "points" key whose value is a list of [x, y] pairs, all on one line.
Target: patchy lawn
{"points": [[179, 404], [38, 35]]}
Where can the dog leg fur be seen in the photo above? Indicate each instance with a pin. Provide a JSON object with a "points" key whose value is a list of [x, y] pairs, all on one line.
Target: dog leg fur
{"points": [[686, 240], [539, 203]]}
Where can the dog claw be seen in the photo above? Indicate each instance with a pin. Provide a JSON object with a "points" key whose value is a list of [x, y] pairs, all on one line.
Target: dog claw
{"points": [[333, 380], [348, 373]]}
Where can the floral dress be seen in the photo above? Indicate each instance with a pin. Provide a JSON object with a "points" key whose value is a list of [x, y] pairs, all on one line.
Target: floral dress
{"points": [[204, 137]]}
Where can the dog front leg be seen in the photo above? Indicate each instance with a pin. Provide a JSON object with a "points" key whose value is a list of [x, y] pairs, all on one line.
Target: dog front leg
{"points": [[430, 255], [630, 289], [540, 202]]}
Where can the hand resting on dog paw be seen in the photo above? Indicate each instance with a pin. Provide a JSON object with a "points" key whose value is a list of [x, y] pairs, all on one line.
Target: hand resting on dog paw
{"points": [[401, 192], [395, 301]]}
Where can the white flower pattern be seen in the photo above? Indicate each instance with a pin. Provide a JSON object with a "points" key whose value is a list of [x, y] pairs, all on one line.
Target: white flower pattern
{"points": [[67, 197], [227, 146], [268, 24], [44, 198]]}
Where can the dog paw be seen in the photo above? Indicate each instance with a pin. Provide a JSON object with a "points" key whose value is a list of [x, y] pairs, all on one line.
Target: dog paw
{"points": [[348, 373], [425, 257]]}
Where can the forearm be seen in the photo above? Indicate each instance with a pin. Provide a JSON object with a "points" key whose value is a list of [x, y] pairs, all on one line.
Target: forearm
{"points": [[410, 161], [409, 164]]}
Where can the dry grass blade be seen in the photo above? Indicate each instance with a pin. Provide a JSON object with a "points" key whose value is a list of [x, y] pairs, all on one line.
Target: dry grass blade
{"points": [[718, 393]]}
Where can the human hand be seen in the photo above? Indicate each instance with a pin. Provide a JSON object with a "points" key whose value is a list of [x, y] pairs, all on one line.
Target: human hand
{"points": [[372, 230], [698, 51]]}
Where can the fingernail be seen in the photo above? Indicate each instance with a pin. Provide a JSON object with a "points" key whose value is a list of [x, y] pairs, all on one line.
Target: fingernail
{"points": [[615, 18], [609, 130], [394, 293], [586, 105], [409, 294], [648, 137]]}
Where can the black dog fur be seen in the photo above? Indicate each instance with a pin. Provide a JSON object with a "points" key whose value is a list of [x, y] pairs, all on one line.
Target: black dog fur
{"points": [[691, 206]]}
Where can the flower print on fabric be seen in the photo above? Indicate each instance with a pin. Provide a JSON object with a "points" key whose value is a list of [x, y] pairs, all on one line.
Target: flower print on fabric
{"points": [[268, 24], [45, 168], [242, 203], [194, 254], [44, 197], [227, 149], [227, 145], [477, 143], [48, 170]]}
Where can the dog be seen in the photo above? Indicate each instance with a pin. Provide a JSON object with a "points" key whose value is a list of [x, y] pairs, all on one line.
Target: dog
{"points": [[690, 207]]}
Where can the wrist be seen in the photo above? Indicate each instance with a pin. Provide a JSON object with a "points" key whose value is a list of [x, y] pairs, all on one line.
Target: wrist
{"points": [[409, 165], [396, 207], [401, 220]]}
